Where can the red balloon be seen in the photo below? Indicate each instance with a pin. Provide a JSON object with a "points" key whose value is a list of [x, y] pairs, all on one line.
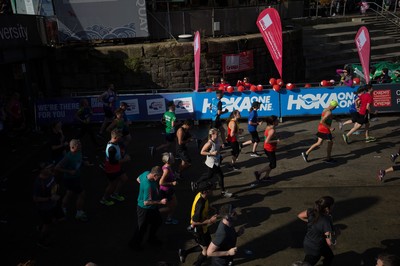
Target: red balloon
{"points": [[209, 90], [276, 87], [240, 88], [272, 81], [356, 81], [324, 83], [290, 86], [279, 82], [260, 87], [253, 88], [229, 89], [308, 85]]}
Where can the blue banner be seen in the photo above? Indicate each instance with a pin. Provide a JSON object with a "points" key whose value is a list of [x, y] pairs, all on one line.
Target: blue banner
{"points": [[310, 101], [241, 101]]}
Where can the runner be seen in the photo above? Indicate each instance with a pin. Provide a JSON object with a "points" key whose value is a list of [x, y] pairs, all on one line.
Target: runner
{"points": [[233, 132], [216, 111], [169, 120], [252, 128], [108, 99]]}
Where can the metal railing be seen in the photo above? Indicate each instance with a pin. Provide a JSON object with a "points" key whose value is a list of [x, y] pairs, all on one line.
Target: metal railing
{"points": [[380, 11]]}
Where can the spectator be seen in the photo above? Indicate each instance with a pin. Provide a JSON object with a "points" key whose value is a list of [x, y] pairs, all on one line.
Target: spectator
{"points": [[384, 76], [245, 84], [346, 76], [148, 215], [396, 77], [15, 113], [83, 116], [222, 86]]}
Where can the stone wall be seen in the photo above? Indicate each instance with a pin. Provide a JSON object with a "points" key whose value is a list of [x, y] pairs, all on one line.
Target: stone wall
{"points": [[169, 65]]}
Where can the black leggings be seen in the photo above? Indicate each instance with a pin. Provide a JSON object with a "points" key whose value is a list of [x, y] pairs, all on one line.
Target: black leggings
{"points": [[325, 252], [216, 170]]}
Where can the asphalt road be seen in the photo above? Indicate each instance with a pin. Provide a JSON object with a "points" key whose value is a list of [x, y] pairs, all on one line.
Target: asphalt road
{"points": [[367, 211]]}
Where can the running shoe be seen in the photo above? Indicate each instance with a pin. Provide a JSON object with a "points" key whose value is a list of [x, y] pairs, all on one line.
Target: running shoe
{"points": [[193, 186], [257, 175], [233, 168], [345, 138], [226, 194], [107, 202], [381, 175], [370, 139], [305, 157], [393, 157], [171, 221], [254, 154], [340, 125], [81, 217], [117, 197], [181, 254], [330, 161]]}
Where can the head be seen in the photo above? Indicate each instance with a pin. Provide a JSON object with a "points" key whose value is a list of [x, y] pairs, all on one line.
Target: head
{"points": [[255, 105], [123, 105], [347, 70], [385, 71], [272, 120], [205, 188], [333, 104], [83, 102], [222, 81], [245, 79], [360, 90], [324, 205], [219, 94], [228, 212], [213, 133], [386, 259], [167, 158], [369, 88], [188, 123], [110, 86], [155, 173], [397, 73], [119, 113], [116, 134], [171, 106], [75, 145], [234, 115]]}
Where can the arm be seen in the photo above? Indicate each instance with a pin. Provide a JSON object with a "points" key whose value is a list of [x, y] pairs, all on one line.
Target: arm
{"points": [[212, 251], [112, 126], [303, 216], [339, 71], [150, 200], [232, 126], [206, 147], [60, 167], [179, 136], [323, 119]]}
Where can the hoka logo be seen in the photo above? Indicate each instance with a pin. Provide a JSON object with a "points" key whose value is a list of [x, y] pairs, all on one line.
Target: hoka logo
{"points": [[240, 103], [316, 101]]}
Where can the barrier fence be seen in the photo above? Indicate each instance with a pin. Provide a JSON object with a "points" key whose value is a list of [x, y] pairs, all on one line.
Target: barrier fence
{"points": [[285, 103]]}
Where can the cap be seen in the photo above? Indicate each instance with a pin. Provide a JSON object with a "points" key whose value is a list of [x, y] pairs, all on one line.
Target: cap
{"points": [[333, 103]]}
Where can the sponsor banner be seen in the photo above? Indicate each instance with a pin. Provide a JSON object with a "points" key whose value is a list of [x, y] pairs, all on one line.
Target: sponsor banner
{"points": [[363, 45], [101, 19], [141, 107], [269, 100], [269, 24], [196, 45], [386, 97], [233, 63], [306, 101], [20, 30]]}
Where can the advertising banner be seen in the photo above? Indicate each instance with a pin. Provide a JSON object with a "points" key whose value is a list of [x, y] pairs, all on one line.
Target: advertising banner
{"points": [[386, 97], [20, 31], [101, 19], [197, 50], [306, 101], [269, 24], [269, 100], [233, 63], [363, 44]]}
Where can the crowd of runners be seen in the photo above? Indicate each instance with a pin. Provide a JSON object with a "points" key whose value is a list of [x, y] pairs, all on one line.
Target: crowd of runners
{"points": [[157, 201]]}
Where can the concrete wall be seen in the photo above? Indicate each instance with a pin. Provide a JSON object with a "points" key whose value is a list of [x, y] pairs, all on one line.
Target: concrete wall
{"points": [[169, 64]]}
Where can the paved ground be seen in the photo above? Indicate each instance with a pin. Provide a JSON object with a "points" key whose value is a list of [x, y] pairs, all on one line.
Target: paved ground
{"points": [[367, 211]]}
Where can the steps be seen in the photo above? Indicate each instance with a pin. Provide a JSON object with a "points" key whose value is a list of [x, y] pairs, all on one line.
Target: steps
{"points": [[329, 46]]}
